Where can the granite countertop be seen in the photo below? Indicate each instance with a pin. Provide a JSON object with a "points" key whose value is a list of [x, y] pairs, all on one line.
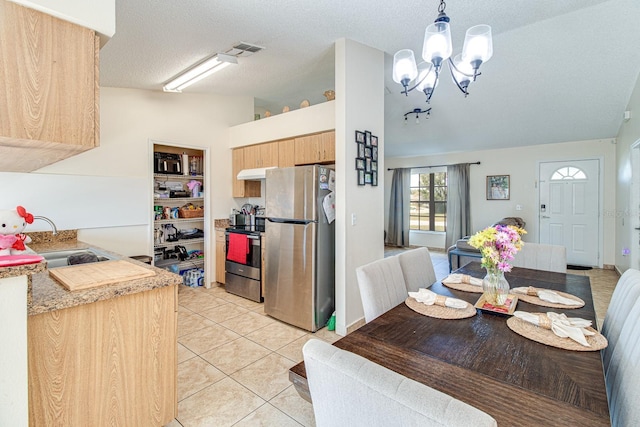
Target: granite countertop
{"points": [[22, 270], [221, 224], [48, 295]]}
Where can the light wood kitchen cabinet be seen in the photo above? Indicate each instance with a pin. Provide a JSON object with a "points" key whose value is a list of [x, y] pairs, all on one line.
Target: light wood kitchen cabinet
{"points": [[242, 188], [49, 89], [261, 155], [112, 362], [317, 148], [286, 153], [221, 255]]}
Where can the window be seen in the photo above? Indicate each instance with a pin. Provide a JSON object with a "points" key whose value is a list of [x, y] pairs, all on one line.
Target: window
{"points": [[428, 206], [568, 173]]}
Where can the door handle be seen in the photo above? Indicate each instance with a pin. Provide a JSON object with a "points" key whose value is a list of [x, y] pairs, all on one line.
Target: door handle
{"points": [[547, 217]]}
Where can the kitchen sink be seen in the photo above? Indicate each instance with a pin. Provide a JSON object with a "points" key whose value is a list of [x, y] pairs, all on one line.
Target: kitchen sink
{"points": [[74, 256]]}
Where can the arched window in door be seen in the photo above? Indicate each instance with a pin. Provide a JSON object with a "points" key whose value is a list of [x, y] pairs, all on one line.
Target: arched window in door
{"points": [[567, 173]]}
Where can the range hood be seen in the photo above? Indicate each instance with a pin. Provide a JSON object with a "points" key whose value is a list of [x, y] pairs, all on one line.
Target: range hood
{"points": [[253, 174]]}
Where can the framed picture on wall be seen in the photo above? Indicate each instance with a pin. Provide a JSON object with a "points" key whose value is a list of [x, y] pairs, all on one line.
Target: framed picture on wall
{"points": [[367, 178], [498, 187], [374, 153], [367, 163], [367, 138], [374, 178], [359, 137], [374, 140], [359, 164], [361, 151], [361, 177]]}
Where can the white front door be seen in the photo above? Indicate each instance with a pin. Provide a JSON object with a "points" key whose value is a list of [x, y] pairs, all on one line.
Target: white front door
{"points": [[569, 207]]}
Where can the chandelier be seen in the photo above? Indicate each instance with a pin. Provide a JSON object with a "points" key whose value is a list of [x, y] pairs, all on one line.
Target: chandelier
{"points": [[437, 48]]}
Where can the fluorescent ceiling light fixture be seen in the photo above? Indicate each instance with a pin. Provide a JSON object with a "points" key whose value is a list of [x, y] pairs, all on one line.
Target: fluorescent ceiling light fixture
{"points": [[216, 63]]}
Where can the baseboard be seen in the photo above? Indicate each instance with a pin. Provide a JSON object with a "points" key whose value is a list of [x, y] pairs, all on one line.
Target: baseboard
{"points": [[609, 267], [356, 325]]}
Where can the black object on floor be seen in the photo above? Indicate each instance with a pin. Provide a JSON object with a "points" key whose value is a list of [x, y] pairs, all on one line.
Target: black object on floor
{"points": [[578, 267]]}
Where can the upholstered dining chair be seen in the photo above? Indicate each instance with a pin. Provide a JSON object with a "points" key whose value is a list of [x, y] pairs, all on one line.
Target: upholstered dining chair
{"points": [[625, 294], [349, 390], [539, 256], [381, 285], [417, 268], [621, 376]]}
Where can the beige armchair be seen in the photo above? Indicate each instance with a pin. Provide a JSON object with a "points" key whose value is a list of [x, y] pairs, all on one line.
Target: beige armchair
{"points": [[349, 390]]}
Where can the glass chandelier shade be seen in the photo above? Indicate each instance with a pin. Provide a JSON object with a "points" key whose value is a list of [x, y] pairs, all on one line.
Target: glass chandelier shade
{"points": [[404, 67], [427, 79], [478, 45], [437, 45]]}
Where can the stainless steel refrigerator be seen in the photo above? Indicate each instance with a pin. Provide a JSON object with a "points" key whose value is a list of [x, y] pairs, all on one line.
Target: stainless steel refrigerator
{"points": [[299, 286]]}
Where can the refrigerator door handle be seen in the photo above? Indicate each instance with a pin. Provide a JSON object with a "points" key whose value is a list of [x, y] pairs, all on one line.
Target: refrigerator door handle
{"points": [[290, 221]]}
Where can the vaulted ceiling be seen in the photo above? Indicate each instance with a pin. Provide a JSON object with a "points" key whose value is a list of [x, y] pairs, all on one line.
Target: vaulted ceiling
{"points": [[561, 70]]}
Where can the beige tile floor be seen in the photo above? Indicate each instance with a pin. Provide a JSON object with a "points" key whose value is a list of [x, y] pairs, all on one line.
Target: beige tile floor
{"points": [[233, 360]]}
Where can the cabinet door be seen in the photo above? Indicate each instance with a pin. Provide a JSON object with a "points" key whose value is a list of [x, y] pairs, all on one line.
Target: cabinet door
{"points": [[86, 362], [268, 154], [307, 149], [48, 81], [252, 156], [237, 163], [220, 256], [242, 188], [327, 147], [286, 153]]}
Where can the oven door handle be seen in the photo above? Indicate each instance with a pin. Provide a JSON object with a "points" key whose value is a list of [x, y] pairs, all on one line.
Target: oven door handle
{"points": [[253, 237]]}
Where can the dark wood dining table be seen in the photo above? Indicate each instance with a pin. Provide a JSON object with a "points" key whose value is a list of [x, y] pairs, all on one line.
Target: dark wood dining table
{"points": [[480, 361]]}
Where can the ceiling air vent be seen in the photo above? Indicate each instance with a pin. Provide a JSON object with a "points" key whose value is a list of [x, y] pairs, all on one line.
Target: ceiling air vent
{"points": [[243, 49]]}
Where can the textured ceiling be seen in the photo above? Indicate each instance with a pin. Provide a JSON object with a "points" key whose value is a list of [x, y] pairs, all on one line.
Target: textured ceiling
{"points": [[561, 70]]}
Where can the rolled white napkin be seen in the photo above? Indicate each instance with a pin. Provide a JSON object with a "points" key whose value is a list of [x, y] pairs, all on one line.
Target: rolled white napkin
{"points": [[546, 295], [462, 278], [560, 324], [428, 297]]}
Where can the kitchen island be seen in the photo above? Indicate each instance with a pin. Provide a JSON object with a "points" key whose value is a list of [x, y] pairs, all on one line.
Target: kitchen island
{"points": [[102, 356]]}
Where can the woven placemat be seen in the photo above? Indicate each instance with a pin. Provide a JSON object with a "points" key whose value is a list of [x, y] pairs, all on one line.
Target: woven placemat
{"points": [[547, 337], [531, 299], [464, 287], [440, 312]]}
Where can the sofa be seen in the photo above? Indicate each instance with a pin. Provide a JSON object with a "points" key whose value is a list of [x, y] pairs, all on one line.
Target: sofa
{"points": [[457, 261]]}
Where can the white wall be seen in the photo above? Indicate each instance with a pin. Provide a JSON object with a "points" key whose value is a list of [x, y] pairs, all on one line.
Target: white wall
{"points": [[312, 119], [521, 163], [128, 119], [359, 106], [626, 215]]}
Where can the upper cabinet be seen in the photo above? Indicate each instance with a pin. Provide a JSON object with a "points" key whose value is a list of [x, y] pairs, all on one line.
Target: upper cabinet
{"points": [[286, 153], [261, 155], [49, 89], [318, 148], [242, 188], [302, 150]]}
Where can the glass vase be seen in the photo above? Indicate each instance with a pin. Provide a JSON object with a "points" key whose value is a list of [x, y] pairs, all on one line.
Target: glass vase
{"points": [[495, 287]]}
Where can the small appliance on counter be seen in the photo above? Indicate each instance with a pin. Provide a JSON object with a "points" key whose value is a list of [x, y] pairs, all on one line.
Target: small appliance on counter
{"points": [[167, 163]]}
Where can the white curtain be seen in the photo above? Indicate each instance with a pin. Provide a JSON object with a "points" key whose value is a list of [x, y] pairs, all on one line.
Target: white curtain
{"points": [[458, 209], [398, 233]]}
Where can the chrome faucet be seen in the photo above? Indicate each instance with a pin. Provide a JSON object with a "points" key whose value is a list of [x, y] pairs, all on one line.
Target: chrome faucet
{"points": [[53, 226]]}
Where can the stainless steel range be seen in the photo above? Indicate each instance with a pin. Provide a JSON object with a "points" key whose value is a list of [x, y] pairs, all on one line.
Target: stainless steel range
{"points": [[243, 265]]}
